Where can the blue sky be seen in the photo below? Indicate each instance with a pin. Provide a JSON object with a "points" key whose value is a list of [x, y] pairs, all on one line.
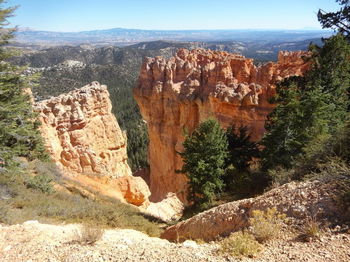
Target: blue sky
{"points": [[79, 15]]}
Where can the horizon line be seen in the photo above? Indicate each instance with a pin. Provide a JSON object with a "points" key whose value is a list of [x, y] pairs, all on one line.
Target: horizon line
{"points": [[24, 29]]}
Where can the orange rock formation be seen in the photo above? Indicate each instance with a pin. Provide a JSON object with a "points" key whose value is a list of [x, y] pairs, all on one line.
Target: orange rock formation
{"points": [[84, 139], [177, 94]]}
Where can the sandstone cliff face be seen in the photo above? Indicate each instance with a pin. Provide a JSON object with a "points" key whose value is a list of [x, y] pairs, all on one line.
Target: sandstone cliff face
{"points": [[177, 94], [84, 139]]}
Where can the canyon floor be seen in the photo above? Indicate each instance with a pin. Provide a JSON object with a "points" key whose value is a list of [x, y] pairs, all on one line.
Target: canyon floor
{"points": [[32, 241]]}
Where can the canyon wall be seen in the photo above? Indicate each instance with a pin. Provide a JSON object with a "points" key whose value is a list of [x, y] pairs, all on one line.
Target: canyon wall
{"points": [[84, 139], [175, 95]]}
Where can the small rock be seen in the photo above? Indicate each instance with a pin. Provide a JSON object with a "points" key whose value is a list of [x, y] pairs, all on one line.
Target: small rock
{"points": [[7, 248], [31, 222], [190, 243]]}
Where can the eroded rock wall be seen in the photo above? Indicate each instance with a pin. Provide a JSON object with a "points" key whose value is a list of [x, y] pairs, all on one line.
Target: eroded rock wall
{"points": [[84, 139], [175, 95]]}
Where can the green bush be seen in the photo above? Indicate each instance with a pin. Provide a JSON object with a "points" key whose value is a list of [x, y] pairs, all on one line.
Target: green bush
{"points": [[247, 183], [40, 182], [241, 177], [47, 168], [331, 149], [241, 149], [46, 173]]}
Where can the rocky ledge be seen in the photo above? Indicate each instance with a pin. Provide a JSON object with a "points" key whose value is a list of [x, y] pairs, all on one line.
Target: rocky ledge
{"points": [[300, 201]]}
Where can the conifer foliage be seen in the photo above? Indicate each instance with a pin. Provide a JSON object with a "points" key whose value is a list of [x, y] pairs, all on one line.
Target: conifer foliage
{"points": [[18, 129], [311, 108], [242, 149], [204, 156], [339, 20], [243, 153]]}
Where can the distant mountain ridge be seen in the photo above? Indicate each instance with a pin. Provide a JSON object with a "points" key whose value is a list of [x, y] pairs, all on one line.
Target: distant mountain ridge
{"points": [[122, 36]]}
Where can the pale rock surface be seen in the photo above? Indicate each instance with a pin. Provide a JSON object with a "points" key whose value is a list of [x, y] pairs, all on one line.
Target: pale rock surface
{"points": [[175, 95], [299, 201], [32, 241], [169, 209], [84, 139]]}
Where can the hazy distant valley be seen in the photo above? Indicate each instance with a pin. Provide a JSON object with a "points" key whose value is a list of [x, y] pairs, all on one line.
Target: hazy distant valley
{"points": [[122, 37], [258, 44]]}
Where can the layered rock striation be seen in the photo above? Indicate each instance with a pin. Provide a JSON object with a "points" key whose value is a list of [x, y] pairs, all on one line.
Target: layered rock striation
{"points": [[175, 95], [84, 139]]}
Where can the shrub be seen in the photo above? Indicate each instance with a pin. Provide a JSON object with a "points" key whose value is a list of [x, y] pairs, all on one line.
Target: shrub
{"points": [[266, 225], [311, 230], [3, 213], [244, 184], [339, 171], [88, 235], [41, 183], [335, 170], [241, 176], [280, 176], [46, 174], [240, 244], [49, 169]]}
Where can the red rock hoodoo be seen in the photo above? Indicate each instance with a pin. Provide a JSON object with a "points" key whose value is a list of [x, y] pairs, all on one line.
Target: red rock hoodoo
{"points": [[84, 139], [177, 94]]}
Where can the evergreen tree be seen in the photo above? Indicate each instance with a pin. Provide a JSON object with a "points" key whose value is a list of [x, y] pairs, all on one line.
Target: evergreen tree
{"points": [[339, 20], [331, 75], [282, 140], [241, 149], [18, 129], [239, 178], [310, 108], [204, 156]]}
